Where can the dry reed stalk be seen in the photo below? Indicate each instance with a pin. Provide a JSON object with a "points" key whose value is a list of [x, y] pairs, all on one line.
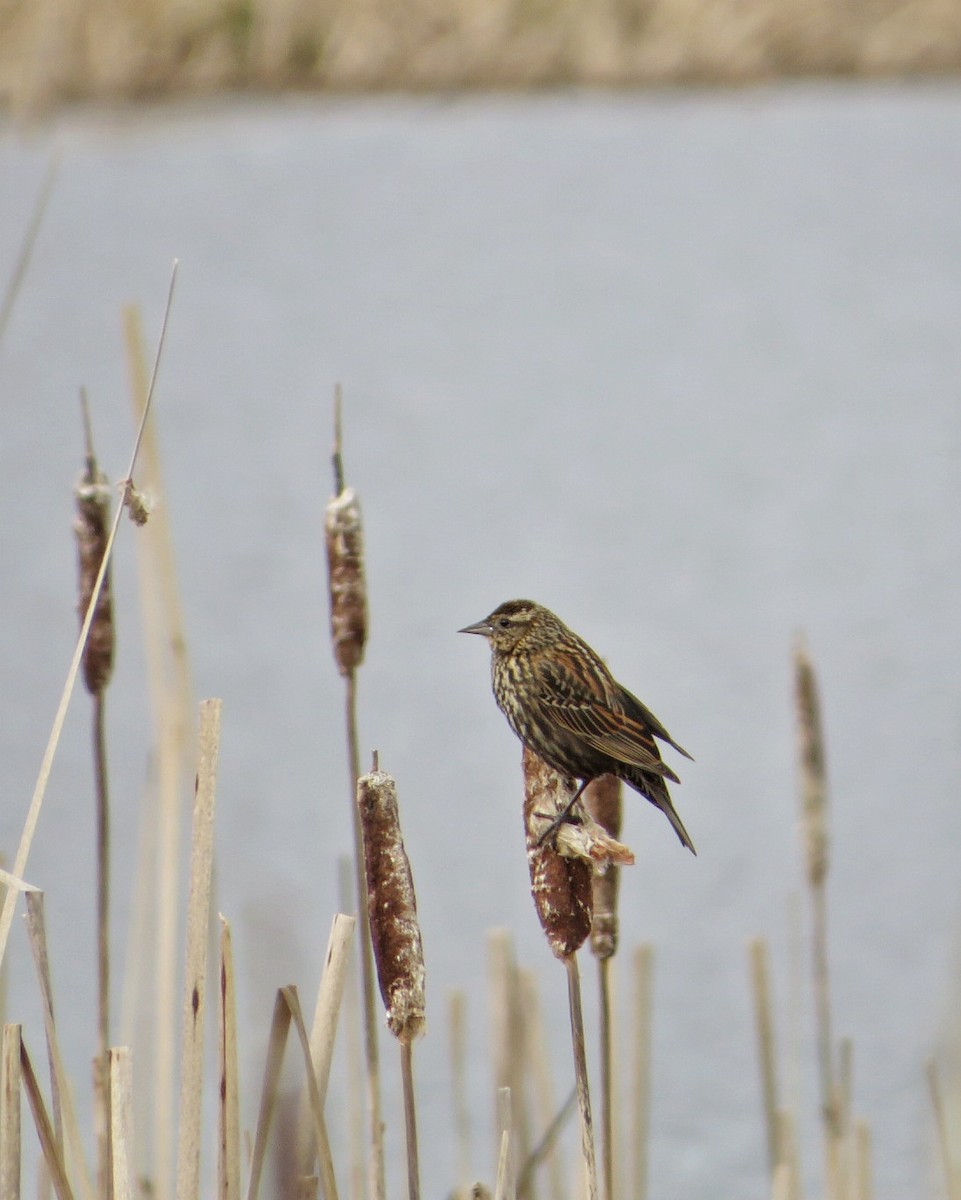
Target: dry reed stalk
{"points": [[562, 893], [323, 1031], [767, 1057], [347, 594], [10, 1083], [643, 970], [788, 1160], [814, 824], [952, 1176], [120, 1074], [195, 970], [25, 253], [457, 1046], [64, 1128], [864, 1186], [228, 1109], [52, 1157], [171, 694], [603, 800], [395, 936], [36, 801], [287, 1010], [552, 1119], [91, 526], [352, 1048], [508, 1038], [505, 1186]]}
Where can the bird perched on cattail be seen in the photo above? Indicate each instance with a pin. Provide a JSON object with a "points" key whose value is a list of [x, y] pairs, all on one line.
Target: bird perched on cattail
{"points": [[565, 705]]}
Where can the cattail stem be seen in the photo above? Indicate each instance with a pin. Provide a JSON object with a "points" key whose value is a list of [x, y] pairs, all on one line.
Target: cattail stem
{"points": [[410, 1120], [643, 974], [580, 1073]]}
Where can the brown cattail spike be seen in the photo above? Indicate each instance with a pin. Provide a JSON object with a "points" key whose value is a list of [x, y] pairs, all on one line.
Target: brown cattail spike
{"points": [[602, 798], [560, 886], [394, 931], [812, 767], [92, 527], [343, 531]]}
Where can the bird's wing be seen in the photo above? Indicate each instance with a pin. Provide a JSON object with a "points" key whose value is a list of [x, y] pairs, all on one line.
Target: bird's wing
{"points": [[640, 712], [580, 701]]}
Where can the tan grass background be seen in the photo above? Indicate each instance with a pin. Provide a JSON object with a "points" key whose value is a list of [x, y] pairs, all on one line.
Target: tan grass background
{"points": [[55, 50]]}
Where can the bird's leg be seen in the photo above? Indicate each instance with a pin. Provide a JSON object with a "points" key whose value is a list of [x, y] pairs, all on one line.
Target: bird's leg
{"points": [[562, 815]]}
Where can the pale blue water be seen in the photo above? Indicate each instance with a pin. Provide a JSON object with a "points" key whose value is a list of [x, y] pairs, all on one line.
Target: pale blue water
{"points": [[685, 367]]}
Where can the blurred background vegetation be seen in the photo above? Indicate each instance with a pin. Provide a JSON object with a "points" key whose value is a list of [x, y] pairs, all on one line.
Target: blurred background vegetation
{"points": [[57, 50]]}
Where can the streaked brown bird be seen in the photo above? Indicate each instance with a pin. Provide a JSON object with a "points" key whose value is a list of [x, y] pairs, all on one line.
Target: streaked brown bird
{"points": [[562, 701]]}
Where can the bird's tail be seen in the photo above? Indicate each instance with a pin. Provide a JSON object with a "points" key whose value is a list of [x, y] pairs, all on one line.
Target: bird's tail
{"points": [[655, 789]]}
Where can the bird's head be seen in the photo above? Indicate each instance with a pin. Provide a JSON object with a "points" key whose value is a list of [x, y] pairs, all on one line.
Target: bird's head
{"points": [[511, 623]]}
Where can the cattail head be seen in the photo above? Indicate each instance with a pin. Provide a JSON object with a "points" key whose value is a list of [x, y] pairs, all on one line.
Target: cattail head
{"points": [[92, 528], [392, 907], [344, 535], [812, 767], [560, 886], [602, 799]]}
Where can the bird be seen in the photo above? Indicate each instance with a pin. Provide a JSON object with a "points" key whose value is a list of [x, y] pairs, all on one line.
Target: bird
{"points": [[564, 704]]}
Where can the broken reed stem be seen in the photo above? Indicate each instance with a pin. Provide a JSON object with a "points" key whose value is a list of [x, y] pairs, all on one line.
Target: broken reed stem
{"points": [[52, 1157], [120, 1079], [505, 1187], [91, 526], [395, 934], [195, 973], [353, 1054], [347, 591], [603, 800], [643, 964], [10, 1112], [764, 1023], [813, 785], [509, 1043]]}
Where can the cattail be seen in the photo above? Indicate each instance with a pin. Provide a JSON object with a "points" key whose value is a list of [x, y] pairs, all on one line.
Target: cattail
{"points": [[812, 768], [92, 527], [602, 799], [560, 886], [394, 930], [344, 535]]}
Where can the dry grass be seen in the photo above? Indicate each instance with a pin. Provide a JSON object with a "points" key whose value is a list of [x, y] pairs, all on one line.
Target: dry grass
{"points": [[56, 50]]}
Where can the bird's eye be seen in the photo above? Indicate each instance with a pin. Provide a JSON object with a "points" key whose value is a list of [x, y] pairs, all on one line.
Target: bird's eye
{"points": [[504, 622]]}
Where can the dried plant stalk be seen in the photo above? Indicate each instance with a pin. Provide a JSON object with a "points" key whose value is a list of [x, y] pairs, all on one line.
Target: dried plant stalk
{"points": [[457, 1029], [52, 1157], [580, 1074], [952, 1180], [348, 623], [643, 964], [505, 1187], [813, 783], [228, 1110], [509, 1037], [551, 1119], [395, 935], [195, 976], [91, 526], [120, 1068], [764, 1023], [560, 886], [10, 1112]]}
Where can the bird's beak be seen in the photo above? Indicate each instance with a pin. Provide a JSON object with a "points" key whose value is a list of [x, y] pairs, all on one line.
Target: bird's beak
{"points": [[481, 627]]}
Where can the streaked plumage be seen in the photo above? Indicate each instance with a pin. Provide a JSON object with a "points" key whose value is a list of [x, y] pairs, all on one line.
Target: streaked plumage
{"points": [[562, 701]]}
